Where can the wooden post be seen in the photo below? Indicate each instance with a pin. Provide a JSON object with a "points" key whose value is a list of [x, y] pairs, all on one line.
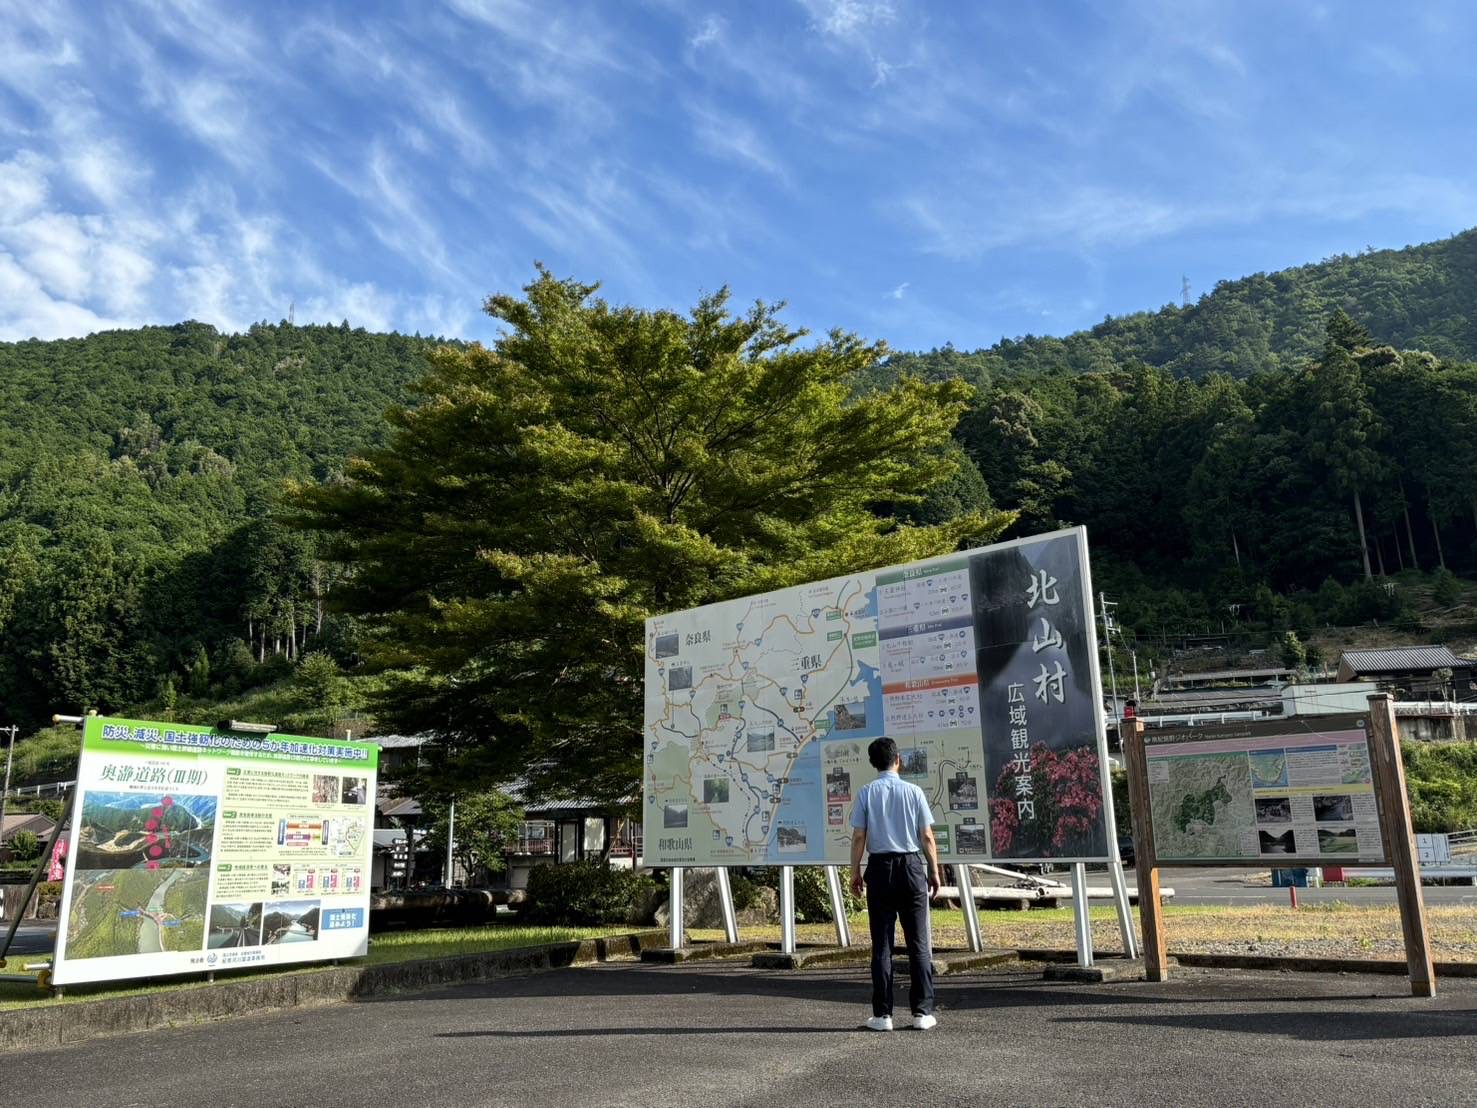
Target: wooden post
{"points": [[1146, 863], [1394, 810]]}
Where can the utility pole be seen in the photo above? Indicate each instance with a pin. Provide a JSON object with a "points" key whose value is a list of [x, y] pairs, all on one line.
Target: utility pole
{"points": [[1135, 656], [1108, 625], [9, 754], [450, 839]]}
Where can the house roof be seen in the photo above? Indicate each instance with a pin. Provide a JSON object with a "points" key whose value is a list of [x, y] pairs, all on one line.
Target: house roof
{"points": [[26, 821], [1400, 659], [398, 742], [1229, 675]]}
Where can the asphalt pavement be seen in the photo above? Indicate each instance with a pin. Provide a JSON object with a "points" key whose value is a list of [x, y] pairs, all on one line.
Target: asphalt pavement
{"points": [[721, 1035], [36, 937]]}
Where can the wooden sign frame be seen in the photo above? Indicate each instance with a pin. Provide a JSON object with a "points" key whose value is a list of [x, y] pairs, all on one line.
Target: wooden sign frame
{"points": [[1395, 832]]}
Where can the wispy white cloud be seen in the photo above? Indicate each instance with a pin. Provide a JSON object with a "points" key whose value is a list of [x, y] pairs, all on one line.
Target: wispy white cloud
{"points": [[899, 291], [734, 139]]}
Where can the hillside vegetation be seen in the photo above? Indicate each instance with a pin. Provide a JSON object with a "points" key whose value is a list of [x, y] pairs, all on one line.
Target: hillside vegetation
{"points": [[1256, 462]]}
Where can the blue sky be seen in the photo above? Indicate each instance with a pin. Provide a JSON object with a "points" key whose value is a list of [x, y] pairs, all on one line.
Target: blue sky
{"points": [[919, 172]]}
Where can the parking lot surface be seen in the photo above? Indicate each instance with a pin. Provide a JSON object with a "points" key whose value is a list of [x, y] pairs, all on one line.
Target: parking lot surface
{"points": [[721, 1034]]}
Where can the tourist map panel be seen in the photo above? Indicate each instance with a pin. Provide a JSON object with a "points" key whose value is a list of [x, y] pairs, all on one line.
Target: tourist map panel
{"points": [[980, 665]]}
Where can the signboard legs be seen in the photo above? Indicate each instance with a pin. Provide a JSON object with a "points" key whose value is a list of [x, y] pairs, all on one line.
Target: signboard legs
{"points": [[676, 933], [1125, 913], [838, 906], [1079, 914], [1394, 802], [725, 902], [787, 909], [971, 909]]}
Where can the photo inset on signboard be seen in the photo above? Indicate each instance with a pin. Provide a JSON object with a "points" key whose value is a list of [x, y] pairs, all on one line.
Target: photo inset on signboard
{"points": [[1277, 843], [715, 790], [667, 645], [851, 717], [972, 838], [1333, 809], [838, 786], [1274, 809], [234, 925], [964, 793], [760, 742], [674, 815], [679, 677], [1338, 840], [325, 788], [290, 921], [792, 838], [915, 762], [356, 790], [281, 880], [153, 830], [136, 911]]}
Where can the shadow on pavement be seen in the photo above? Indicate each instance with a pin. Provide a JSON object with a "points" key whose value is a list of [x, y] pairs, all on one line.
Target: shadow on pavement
{"points": [[601, 1032]]}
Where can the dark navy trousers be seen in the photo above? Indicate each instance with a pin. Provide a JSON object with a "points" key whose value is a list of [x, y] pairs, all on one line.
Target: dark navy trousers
{"points": [[897, 888]]}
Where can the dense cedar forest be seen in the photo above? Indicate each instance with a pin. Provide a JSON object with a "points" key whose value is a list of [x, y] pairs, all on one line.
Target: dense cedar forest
{"points": [[1221, 454]]}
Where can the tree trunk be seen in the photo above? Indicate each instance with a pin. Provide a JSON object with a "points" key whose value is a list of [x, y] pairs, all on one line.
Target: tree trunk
{"points": [[1363, 542], [1409, 533], [1435, 530], [1379, 553], [1236, 548], [1399, 554]]}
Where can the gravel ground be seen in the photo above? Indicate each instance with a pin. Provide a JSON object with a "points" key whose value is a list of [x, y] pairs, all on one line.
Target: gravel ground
{"points": [[1321, 931]]}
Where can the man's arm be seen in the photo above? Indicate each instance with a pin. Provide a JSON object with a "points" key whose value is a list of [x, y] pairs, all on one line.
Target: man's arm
{"points": [[931, 853], [858, 848]]}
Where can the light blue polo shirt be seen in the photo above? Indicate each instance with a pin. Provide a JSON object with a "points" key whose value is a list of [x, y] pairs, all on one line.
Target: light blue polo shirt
{"points": [[893, 813]]}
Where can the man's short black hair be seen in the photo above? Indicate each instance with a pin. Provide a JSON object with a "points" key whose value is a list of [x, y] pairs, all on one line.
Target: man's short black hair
{"points": [[882, 754]]}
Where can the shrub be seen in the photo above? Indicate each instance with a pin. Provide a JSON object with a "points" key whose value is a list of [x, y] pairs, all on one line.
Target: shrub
{"points": [[1447, 590], [580, 894]]}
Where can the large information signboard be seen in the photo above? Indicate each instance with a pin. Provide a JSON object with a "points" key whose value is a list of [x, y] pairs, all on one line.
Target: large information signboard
{"points": [[1269, 791], [981, 665], [194, 850]]}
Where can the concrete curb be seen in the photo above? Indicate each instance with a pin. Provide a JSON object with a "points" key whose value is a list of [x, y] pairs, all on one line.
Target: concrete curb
{"points": [[61, 1024], [670, 955]]}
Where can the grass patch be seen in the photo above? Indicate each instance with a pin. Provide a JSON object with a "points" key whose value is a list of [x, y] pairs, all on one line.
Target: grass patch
{"points": [[395, 946], [1329, 930]]}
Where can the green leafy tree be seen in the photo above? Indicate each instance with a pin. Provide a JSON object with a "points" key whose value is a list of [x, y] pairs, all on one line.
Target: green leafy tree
{"points": [[1291, 651], [485, 823], [1343, 427], [598, 465], [320, 690]]}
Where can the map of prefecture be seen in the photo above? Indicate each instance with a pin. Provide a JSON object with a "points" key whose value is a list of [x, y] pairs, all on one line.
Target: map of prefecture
{"points": [[759, 711]]}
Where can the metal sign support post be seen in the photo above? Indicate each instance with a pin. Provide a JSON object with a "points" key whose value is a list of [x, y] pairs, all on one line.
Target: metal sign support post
{"points": [[787, 909], [676, 932], [971, 910], [1400, 850], [1079, 914], [838, 905], [1125, 911], [725, 903]]}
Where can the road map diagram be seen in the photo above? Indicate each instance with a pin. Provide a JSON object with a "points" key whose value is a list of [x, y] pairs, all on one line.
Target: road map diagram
{"points": [[759, 711]]}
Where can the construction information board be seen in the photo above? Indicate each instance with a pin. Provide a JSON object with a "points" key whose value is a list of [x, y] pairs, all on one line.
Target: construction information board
{"points": [[981, 665], [1268, 791], [193, 850]]}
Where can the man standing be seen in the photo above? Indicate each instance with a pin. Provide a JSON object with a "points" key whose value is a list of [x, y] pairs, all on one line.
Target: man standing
{"points": [[892, 823]]}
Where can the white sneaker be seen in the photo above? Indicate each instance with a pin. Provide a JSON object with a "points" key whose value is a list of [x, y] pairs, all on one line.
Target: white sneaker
{"points": [[879, 1023], [923, 1023]]}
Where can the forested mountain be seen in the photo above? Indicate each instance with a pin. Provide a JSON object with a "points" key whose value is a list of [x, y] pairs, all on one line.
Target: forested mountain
{"points": [[138, 473], [1420, 298], [1222, 455]]}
